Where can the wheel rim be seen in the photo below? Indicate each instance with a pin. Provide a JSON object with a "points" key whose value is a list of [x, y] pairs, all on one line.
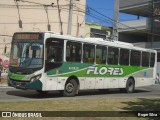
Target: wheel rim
{"points": [[69, 87]]}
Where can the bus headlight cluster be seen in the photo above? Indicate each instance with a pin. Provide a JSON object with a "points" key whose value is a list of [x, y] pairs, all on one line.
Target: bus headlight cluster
{"points": [[37, 77]]}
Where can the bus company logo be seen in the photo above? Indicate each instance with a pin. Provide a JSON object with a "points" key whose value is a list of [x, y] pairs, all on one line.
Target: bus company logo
{"points": [[105, 70]]}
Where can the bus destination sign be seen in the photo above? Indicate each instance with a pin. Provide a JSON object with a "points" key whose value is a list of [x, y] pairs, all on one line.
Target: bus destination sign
{"points": [[27, 36]]}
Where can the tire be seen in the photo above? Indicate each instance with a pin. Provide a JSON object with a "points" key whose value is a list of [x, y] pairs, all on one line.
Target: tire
{"points": [[130, 85], [70, 88], [42, 92]]}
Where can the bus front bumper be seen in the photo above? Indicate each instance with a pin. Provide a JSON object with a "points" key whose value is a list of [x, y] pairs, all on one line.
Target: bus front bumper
{"points": [[35, 85]]}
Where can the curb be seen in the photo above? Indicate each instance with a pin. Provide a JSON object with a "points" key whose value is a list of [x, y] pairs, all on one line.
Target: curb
{"points": [[4, 86]]}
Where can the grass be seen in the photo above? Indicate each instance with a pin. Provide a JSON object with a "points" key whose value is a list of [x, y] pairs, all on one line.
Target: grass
{"points": [[96, 104]]}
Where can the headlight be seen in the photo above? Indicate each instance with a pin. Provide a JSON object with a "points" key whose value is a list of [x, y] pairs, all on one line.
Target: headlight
{"points": [[37, 77]]}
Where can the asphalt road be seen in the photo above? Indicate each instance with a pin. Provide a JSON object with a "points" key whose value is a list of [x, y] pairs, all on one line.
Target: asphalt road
{"points": [[12, 94]]}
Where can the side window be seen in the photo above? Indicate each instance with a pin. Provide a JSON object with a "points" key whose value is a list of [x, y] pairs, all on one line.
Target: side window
{"points": [[158, 56], [145, 59], [112, 55], [101, 53], [135, 58], [88, 53], [73, 52], [124, 57], [54, 53], [152, 59]]}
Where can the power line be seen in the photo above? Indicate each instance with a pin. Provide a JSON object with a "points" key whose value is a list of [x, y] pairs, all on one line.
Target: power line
{"points": [[102, 17]]}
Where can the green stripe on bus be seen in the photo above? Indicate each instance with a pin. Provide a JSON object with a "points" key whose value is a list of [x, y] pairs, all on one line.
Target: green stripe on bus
{"points": [[90, 70], [16, 76]]}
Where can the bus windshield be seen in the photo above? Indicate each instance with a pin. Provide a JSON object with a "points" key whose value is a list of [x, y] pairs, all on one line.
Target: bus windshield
{"points": [[26, 55]]}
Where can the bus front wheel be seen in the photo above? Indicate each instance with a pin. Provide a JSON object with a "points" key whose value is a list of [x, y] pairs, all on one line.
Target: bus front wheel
{"points": [[130, 85], [70, 88]]}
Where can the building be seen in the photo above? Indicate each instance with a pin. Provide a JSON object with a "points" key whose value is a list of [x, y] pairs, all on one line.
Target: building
{"points": [[144, 31], [39, 15], [97, 30]]}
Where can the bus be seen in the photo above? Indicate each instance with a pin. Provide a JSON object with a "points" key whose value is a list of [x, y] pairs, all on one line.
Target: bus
{"points": [[46, 61]]}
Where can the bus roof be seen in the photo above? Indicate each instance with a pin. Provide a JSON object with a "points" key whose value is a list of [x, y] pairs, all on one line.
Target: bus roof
{"points": [[97, 41], [100, 41]]}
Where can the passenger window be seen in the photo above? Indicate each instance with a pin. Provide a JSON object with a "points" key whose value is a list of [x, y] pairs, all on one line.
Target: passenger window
{"points": [[54, 53], [112, 55], [152, 59], [101, 53], [135, 59], [73, 52], [145, 59], [124, 57], [88, 53]]}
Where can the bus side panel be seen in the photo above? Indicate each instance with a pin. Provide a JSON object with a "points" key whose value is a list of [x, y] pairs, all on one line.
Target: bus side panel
{"points": [[90, 82], [61, 83], [82, 83], [113, 82], [122, 82], [143, 77], [106, 83], [99, 82], [50, 83]]}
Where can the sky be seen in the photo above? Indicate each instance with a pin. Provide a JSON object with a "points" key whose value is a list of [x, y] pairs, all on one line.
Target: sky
{"points": [[105, 7]]}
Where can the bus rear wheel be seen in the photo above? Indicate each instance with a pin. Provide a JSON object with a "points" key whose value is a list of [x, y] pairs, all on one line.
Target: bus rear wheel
{"points": [[130, 85], [70, 88]]}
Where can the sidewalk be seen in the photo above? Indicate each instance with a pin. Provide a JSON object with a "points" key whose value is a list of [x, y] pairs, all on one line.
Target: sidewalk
{"points": [[3, 76], [3, 85]]}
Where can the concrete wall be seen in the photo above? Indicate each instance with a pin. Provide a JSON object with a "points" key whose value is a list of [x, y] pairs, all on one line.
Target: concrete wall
{"points": [[129, 3]]}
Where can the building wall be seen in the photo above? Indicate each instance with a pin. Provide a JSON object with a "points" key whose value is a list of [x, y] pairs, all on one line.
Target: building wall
{"points": [[97, 30], [34, 18], [89, 26], [143, 26]]}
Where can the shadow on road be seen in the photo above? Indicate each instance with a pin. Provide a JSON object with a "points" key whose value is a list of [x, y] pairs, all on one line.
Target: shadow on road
{"points": [[144, 104], [55, 94], [34, 94]]}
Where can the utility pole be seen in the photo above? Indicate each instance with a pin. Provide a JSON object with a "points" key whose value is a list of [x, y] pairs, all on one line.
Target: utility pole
{"points": [[152, 24], [19, 21], [70, 18], [46, 9], [116, 19], [60, 21]]}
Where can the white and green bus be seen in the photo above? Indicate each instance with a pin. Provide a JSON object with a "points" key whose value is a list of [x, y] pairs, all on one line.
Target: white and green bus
{"points": [[45, 61]]}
